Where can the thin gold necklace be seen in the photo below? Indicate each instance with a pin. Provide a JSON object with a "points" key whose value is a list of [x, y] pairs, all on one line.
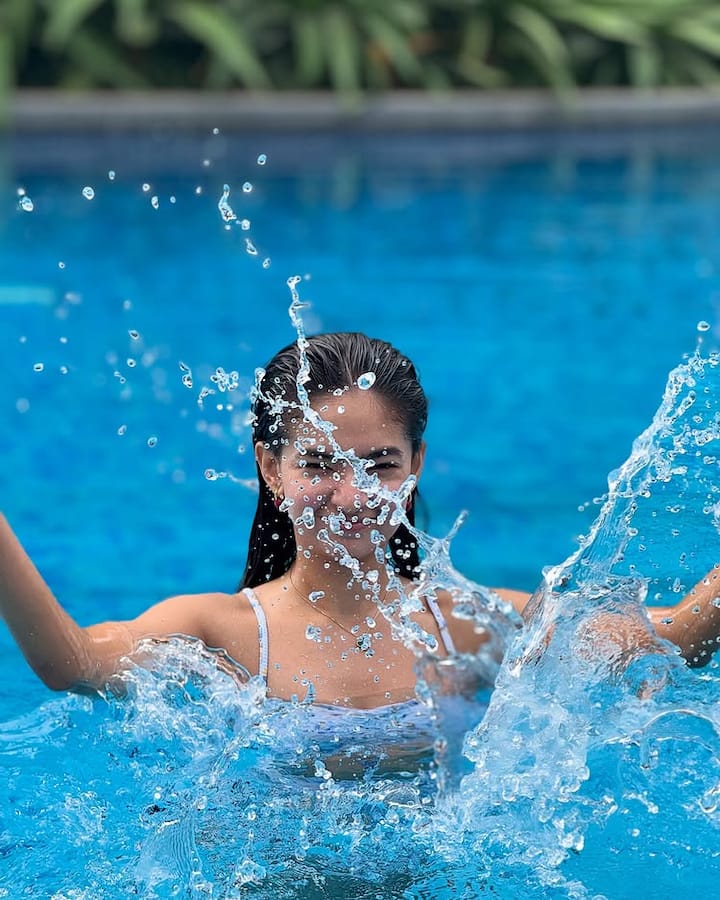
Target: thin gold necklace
{"points": [[362, 641]]}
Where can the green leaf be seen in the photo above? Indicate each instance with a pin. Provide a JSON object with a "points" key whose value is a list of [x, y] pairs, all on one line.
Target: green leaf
{"points": [[687, 65], [479, 73], [101, 64], [644, 66], [64, 20], [223, 37], [695, 35], [308, 48], [407, 16], [601, 22], [544, 38], [343, 51], [134, 24], [16, 21], [7, 75], [395, 45], [476, 36]]}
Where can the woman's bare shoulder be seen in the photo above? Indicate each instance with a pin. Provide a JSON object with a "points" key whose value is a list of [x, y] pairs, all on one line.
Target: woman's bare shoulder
{"points": [[517, 599], [219, 619], [465, 633]]}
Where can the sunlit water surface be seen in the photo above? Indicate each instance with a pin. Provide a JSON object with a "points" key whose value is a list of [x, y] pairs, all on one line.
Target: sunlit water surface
{"points": [[544, 301]]}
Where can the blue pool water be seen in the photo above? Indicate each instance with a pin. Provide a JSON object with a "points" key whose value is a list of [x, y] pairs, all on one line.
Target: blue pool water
{"points": [[545, 291]]}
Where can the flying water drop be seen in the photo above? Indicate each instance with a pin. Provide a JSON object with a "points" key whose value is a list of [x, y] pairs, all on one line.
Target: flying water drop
{"points": [[226, 211], [366, 380]]}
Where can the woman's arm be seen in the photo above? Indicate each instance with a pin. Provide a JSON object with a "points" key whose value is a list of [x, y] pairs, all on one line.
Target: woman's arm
{"points": [[517, 599], [693, 623], [66, 656], [55, 646]]}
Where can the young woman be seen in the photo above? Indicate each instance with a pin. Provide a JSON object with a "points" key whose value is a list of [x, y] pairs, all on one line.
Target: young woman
{"points": [[338, 438]]}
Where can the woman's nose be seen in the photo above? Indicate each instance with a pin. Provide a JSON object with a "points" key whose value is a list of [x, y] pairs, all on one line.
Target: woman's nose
{"points": [[345, 494]]}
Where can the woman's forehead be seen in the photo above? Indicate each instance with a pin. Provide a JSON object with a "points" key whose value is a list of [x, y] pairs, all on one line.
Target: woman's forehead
{"points": [[358, 418]]}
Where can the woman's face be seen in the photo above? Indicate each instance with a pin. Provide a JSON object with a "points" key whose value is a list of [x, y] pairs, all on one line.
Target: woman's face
{"points": [[325, 494]]}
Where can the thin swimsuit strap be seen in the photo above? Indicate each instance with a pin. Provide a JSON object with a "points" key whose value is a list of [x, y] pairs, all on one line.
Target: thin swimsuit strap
{"points": [[441, 624], [263, 639], [262, 631]]}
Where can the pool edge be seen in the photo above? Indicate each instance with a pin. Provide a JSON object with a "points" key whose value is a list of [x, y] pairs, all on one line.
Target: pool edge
{"points": [[407, 111]]}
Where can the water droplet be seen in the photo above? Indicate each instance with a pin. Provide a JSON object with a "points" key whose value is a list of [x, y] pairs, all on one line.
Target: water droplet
{"points": [[152, 441], [172, 198], [121, 430], [307, 517], [266, 263], [88, 193], [313, 633], [206, 163], [131, 363], [226, 211], [341, 410], [63, 370], [127, 304], [250, 247], [245, 224], [262, 159], [63, 340], [134, 334], [198, 190], [111, 175], [216, 131], [702, 325], [211, 474], [146, 187], [366, 380], [314, 596], [61, 265], [38, 367], [27, 204], [247, 188], [155, 202]]}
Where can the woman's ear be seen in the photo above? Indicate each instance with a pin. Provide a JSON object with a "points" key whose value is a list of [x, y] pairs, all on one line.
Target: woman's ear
{"points": [[418, 460], [269, 467]]}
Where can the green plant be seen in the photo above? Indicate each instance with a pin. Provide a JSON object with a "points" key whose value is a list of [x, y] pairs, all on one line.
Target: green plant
{"points": [[137, 43], [351, 45], [640, 43]]}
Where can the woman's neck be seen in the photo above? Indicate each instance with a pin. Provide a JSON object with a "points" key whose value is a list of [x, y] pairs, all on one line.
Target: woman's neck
{"points": [[336, 587]]}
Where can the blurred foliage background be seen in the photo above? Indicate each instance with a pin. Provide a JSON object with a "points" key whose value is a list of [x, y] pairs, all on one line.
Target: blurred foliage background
{"points": [[352, 46]]}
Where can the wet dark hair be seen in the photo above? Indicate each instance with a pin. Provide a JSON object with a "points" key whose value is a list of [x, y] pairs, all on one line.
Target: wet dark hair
{"points": [[336, 360]]}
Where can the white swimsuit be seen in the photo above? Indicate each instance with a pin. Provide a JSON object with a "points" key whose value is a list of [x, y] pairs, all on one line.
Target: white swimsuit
{"points": [[368, 735], [263, 641]]}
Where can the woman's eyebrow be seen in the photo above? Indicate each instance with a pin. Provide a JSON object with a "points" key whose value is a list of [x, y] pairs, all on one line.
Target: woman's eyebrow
{"points": [[372, 454], [383, 452]]}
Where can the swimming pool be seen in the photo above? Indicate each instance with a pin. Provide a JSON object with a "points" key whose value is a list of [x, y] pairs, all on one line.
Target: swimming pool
{"points": [[544, 294]]}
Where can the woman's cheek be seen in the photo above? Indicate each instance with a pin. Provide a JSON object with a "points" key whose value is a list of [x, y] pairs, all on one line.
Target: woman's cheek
{"points": [[304, 494]]}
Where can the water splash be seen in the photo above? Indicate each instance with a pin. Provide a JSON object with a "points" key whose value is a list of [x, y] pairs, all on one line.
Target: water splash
{"points": [[227, 213], [596, 724]]}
